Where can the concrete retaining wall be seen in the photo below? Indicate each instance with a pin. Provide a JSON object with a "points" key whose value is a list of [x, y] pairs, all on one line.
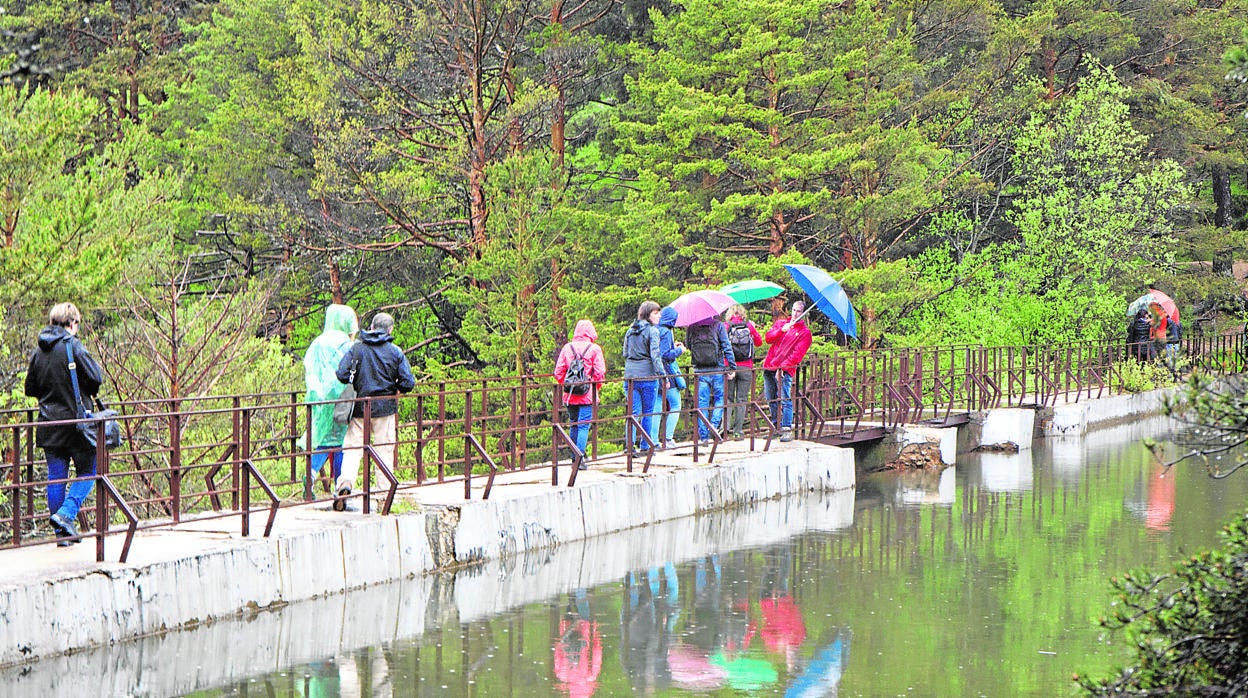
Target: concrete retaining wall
{"points": [[113, 602], [1077, 418], [339, 624]]}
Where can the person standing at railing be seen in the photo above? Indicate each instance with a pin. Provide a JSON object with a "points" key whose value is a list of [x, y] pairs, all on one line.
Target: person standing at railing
{"points": [[376, 367], [48, 379], [710, 352], [583, 357], [790, 339], [669, 351], [643, 371], [744, 338], [320, 367]]}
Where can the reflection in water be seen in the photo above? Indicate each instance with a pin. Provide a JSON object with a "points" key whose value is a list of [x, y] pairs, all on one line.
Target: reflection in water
{"points": [[578, 649], [988, 590], [1005, 472]]}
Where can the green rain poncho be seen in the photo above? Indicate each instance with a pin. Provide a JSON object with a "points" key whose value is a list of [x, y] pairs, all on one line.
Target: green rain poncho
{"points": [[319, 364]]}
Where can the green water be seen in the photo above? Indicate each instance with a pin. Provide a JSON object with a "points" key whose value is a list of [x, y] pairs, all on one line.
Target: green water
{"points": [[987, 581]]}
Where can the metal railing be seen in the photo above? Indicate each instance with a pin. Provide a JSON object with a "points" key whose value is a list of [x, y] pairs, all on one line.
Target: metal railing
{"points": [[204, 458]]}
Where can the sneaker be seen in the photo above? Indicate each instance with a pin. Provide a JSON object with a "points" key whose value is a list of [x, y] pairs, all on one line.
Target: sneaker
{"points": [[340, 502], [787, 435], [64, 527], [582, 466]]}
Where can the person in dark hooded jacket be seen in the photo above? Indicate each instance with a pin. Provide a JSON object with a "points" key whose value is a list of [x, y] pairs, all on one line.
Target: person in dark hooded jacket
{"points": [[48, 379], [1139, 346], [376, 367]]}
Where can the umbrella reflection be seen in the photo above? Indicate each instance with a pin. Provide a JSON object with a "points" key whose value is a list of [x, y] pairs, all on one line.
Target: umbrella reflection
{"points": [[823, 674]]}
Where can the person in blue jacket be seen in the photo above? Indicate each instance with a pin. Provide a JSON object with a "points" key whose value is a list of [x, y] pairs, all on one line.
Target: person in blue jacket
{"points": [[669, 351]]}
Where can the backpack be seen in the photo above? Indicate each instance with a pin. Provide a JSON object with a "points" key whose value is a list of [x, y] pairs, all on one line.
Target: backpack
{"points": [[576, 380], [704, 345], [1174, 331], [742, 341]]}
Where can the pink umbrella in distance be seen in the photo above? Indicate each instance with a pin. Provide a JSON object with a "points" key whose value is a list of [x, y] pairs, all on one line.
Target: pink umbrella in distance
{"points": [[700, 306]]}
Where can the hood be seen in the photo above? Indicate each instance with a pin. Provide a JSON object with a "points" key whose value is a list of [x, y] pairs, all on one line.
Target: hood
{"points": [[585, 331], [375, 337], [340, 318], [668, 316], [50, 335]]}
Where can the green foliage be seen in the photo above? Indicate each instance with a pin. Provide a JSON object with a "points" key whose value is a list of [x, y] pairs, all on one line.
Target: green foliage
{"points": [[75, 212], [1142, 376], [1187, 628]]}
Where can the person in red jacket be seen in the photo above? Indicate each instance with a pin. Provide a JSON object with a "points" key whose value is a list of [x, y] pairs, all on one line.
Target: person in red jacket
{"points": [[790, 339], [580, 401]]}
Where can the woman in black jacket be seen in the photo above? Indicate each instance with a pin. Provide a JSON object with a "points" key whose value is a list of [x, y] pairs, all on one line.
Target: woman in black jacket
{"points": [[48, 380]]}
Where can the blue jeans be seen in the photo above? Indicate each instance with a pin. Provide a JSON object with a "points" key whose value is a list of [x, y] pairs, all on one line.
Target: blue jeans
{"points": [[324, 453], [786, 393], [645, 395], [672, 414], [67, 500], [710, 394], [579, 417]]}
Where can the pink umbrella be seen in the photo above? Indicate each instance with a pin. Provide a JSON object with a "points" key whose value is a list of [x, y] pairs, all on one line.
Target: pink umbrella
{"points": [[691, 668], [700, 306]]}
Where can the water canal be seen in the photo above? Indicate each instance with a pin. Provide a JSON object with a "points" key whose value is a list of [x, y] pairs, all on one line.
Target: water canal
{"points": [[984, 580]]}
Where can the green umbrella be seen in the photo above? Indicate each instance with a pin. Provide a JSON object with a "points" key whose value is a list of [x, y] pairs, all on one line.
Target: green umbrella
{"points": [[746, 673], [752, 290]]}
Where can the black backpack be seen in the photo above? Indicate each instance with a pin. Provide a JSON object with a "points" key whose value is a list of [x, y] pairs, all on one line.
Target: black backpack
{"points": [[704, 345], [742, 341], [576, 380]]}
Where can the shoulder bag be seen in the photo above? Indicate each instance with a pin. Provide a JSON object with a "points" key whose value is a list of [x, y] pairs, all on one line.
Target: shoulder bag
{"points": [[112, 430]]}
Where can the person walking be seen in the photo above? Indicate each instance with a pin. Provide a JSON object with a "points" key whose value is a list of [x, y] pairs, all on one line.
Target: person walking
{"points": [[710, 352], [790, 339], [580, 369], [48, 380], [643, 371], [669, 351], [320, 367], [744, 338], [375, 367]]}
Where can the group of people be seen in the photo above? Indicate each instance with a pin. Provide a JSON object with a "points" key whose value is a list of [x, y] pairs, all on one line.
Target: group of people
{"points": [[63, 376], [722, 356], [373, 367], [1152, 333]]}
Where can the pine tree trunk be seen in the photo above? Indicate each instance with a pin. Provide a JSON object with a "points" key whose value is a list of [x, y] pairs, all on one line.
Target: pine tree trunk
{"points": [[1221, 196]]}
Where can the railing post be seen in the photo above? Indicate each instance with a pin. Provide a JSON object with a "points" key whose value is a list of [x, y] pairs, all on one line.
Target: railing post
{"points": [[420, 439], [175, 459], [16, 476], [366, 458], [554, 432], [242, 444], [628, 426], [242, 488], [101, 501], [468, 443]]}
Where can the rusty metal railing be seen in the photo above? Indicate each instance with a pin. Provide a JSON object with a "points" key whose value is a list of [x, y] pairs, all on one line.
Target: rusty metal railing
{"points": [[204, 458]]}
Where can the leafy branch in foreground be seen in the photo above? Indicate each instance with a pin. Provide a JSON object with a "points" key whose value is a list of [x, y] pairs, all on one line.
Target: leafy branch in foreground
{"points": [[1188, 627], [1216, 412]]}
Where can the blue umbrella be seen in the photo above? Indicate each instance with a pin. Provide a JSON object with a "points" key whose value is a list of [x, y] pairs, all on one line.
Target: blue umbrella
{"points": [[826, 294]]}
